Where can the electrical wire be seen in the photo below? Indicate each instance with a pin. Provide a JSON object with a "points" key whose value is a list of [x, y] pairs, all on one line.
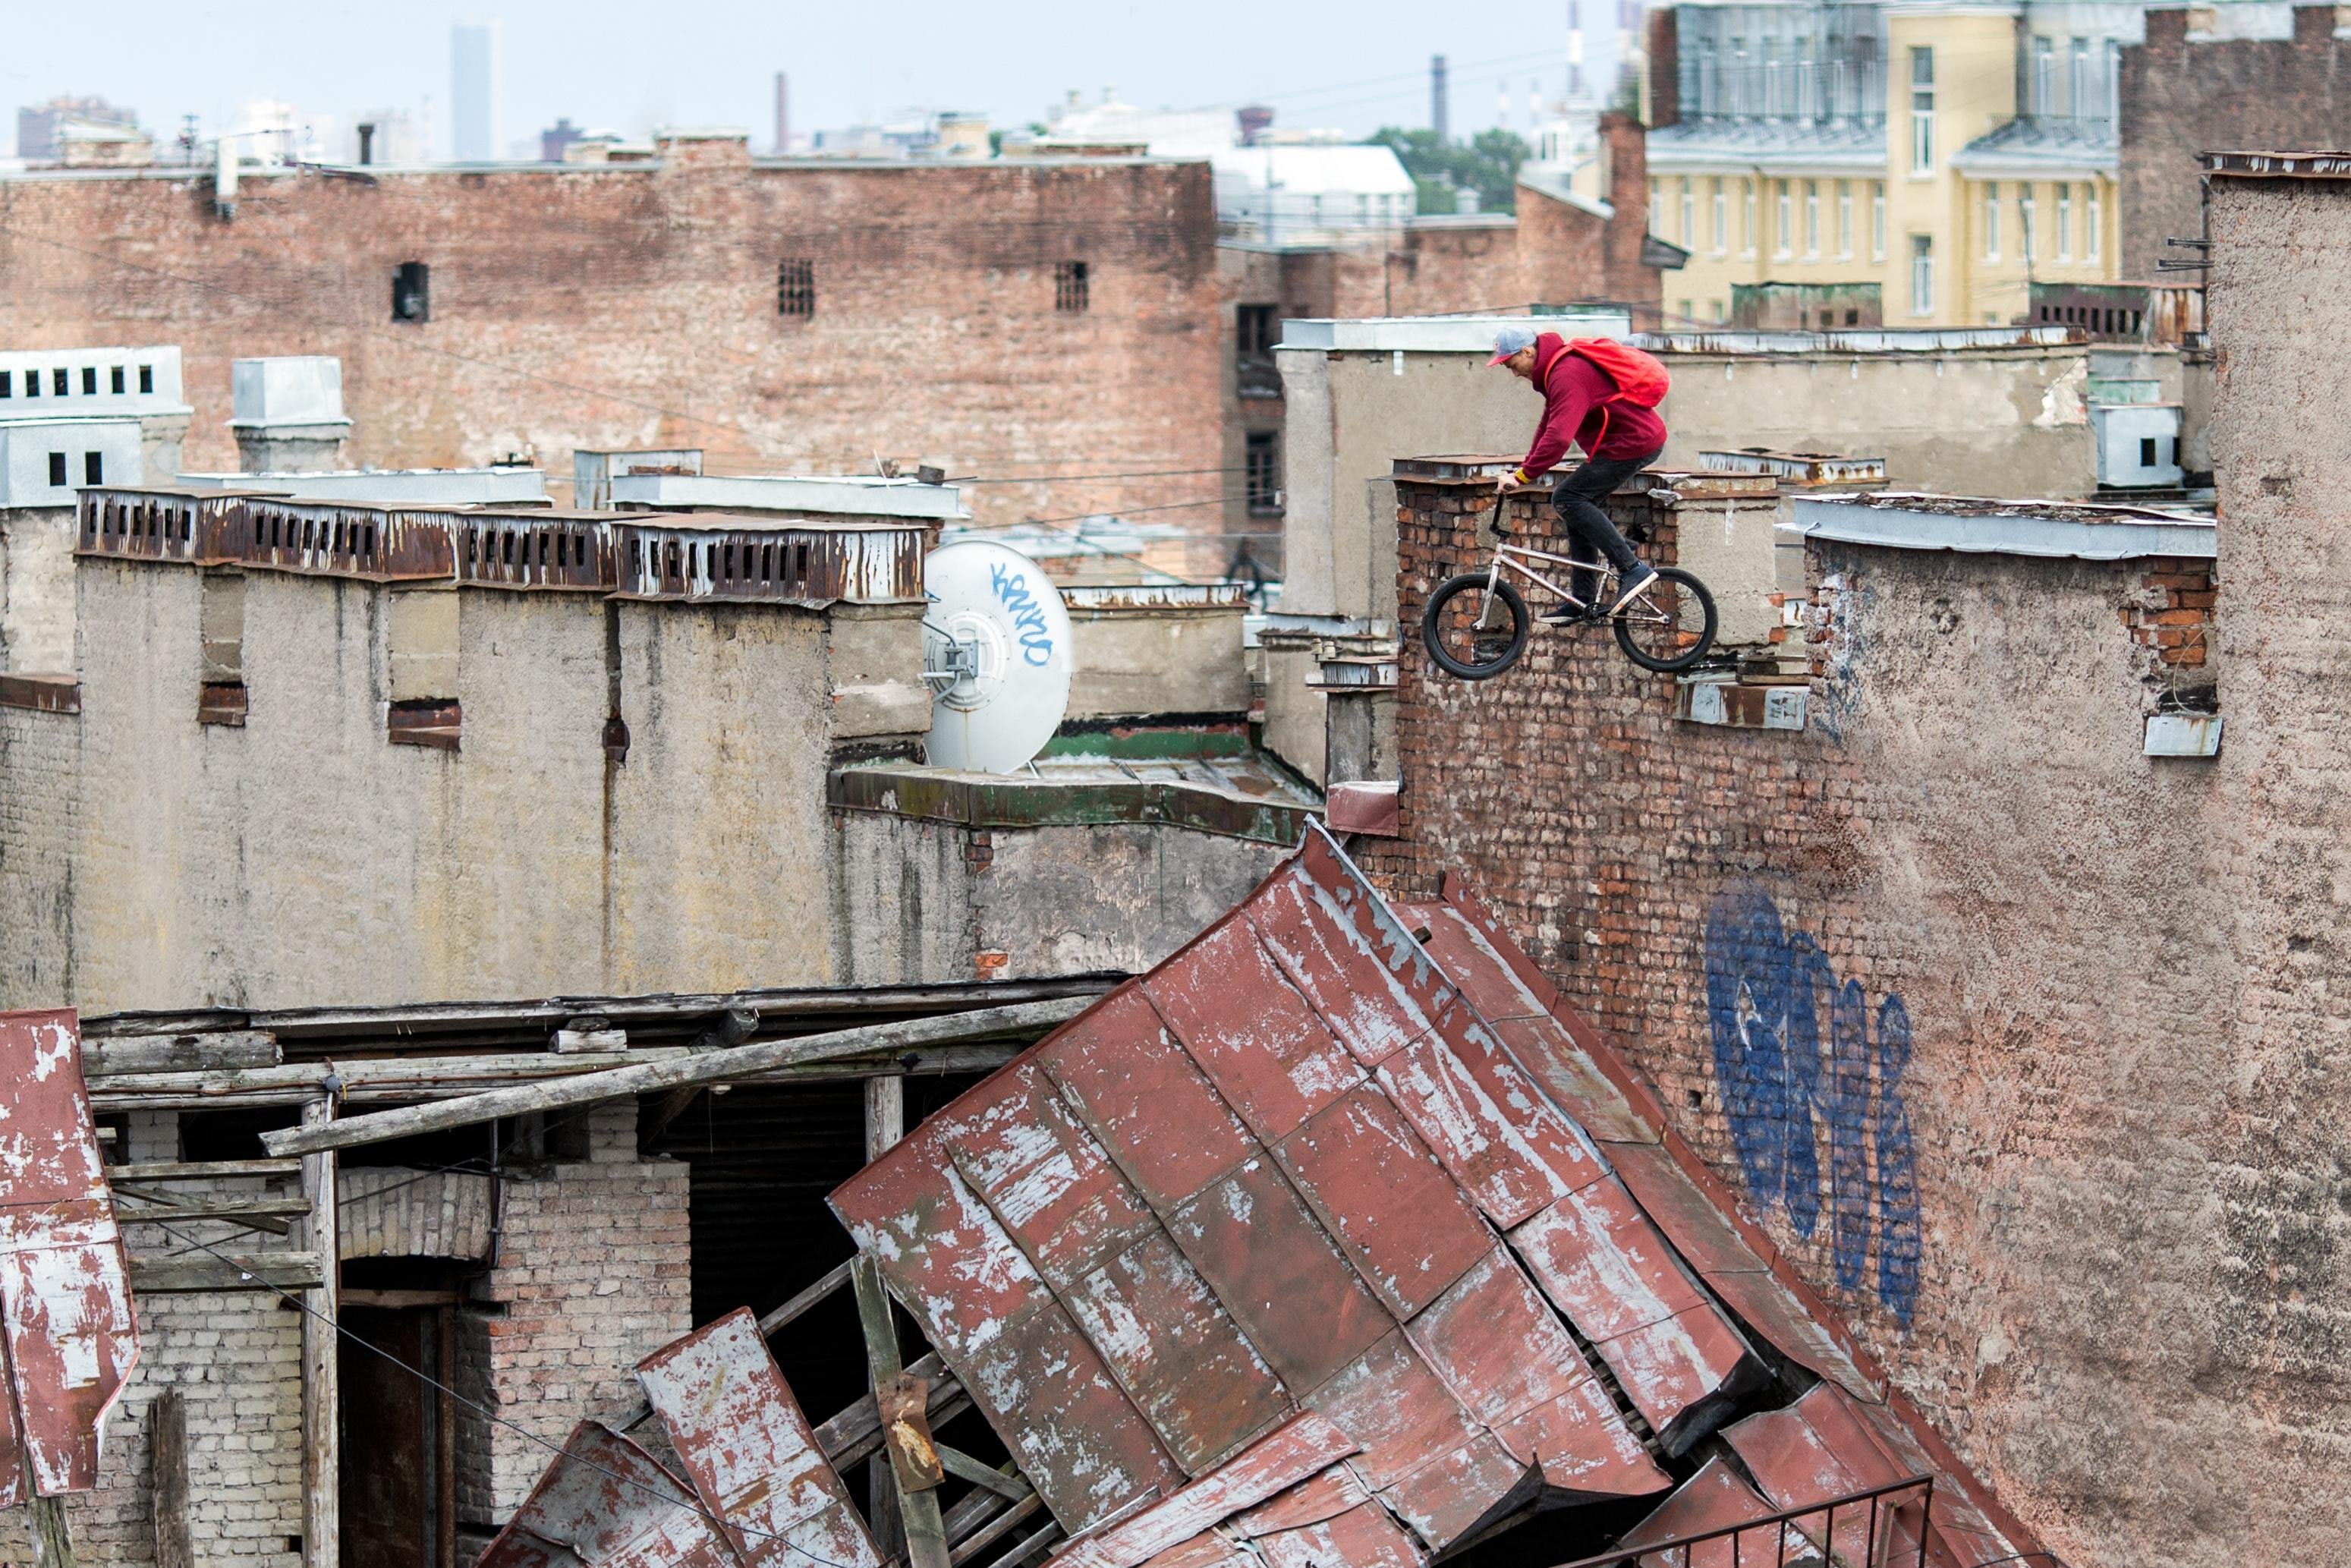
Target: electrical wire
{"points": [[692, 1505]]}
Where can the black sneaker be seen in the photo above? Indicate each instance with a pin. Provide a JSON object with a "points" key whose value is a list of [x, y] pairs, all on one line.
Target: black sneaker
{"points": [[1634, 587]]}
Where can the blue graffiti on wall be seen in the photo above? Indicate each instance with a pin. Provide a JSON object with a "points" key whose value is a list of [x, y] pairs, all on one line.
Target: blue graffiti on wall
{"points": [[1793, 1087]]}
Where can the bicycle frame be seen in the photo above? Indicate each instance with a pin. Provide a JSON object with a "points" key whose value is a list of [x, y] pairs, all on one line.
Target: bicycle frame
{"points": [[1506, 555]]}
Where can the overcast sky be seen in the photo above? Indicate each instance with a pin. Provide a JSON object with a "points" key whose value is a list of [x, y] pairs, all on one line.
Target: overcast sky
{"points": [[1351, 64]]}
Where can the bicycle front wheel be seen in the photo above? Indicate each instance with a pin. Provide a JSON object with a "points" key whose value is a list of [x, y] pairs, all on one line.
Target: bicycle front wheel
{"points": [[1669, 625], [1471, 631]]}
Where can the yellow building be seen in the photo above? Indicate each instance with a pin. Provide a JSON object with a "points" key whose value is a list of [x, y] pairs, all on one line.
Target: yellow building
{"points": [[1875, 163]]}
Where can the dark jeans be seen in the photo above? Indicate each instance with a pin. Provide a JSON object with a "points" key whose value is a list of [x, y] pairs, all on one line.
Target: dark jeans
{"points": [[1588, 528]]}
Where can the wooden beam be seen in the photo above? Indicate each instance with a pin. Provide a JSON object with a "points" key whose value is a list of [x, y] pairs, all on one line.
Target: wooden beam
{"points": [[321, 1391], [844, 1436], [835, 1278], [697, 1067], [1027, 1548], [351, 1296], [886, 1115], [179, 1053], [958, 1463], [408, 1079], [228, 1208], [201, 1170], [282, 1270], [45, 1517], [918, 1507], [996, 1529], [167, 1448]]}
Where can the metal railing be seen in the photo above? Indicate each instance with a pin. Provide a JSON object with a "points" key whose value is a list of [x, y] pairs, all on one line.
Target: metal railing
{"points": [[1890, 1529]]}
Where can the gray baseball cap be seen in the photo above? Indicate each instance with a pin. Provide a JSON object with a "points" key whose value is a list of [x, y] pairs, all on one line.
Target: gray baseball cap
{"points": [[1509, 341]]}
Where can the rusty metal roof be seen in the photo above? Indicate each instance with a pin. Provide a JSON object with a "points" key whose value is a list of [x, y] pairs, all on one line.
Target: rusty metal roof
{"points": [[1339, 1160], [65, 1293], [756, 1492]]}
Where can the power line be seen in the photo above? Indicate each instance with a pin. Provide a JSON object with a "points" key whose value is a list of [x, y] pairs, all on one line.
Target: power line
{"points": [[691, 1505]]}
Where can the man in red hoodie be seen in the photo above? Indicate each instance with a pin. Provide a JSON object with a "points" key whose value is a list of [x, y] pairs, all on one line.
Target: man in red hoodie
{"points": [[1619, 437]]}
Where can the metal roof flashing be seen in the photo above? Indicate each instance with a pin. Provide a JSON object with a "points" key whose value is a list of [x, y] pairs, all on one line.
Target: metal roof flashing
{"points": [[2048, 529]]}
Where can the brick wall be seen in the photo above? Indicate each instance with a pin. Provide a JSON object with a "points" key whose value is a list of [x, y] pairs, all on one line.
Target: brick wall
{"points": [[594, 1273], [638, 306], [2181, 97], [1933, 982], [236, 1358]]}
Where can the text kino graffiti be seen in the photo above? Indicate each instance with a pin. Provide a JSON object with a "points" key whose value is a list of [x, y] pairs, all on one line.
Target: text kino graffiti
{"points": [[1028, 616], [1792, 1087]]}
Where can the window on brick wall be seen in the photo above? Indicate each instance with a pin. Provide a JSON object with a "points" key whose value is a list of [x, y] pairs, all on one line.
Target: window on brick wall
{"points": [[796, 288], [60, 381], [7, 383], [1071, 286], [114, 379], [89, 381], [412, 292], [146, 378], [1264, 474], [1254, 330]]}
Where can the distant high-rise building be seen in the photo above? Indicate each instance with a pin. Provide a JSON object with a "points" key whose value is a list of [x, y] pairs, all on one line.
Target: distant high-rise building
{"points": [[556, 138], [37, 127], [1440, 118], [783, 116], [474, 91]]}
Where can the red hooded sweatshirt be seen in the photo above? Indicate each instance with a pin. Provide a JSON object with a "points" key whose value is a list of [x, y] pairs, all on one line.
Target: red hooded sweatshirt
{"points": [[1581, 405]]}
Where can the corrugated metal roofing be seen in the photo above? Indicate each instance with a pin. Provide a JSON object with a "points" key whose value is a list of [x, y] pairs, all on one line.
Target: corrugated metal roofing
{"points": [[1355, 1161], [64, 1290]]}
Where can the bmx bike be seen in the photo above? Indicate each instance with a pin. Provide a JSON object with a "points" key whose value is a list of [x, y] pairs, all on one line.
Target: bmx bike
{"points": [[1476, 624]]}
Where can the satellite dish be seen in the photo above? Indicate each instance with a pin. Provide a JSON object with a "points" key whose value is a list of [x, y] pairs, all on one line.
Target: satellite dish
{"points": [[995, 653]]}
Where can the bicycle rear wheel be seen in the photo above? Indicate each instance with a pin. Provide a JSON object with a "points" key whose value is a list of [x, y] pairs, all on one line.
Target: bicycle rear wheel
{"points": [[1471, 632], [1669, 625]]}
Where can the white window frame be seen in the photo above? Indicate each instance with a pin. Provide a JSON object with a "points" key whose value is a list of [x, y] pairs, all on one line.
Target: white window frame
{"points": [[2077, 76], [2044, 75], [1812, 220], [2096, 215], [1922, 112], [1845, 218], [2027, 210], [1689, 215], [1722, 219], [1783, 212], [1878, 220], [1922, 275], [1747, 200], [1991, 221], [2064, 221]]}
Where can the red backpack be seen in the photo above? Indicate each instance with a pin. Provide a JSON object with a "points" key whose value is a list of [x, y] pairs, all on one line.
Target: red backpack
{"points": [[1639, 377]]}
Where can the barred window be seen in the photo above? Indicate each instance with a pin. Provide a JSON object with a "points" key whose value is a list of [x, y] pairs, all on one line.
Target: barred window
{"points": [[1069, 287], [796, 288]]}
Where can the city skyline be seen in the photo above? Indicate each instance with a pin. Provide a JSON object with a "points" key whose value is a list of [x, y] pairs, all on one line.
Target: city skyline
{"points": [[846, 70]]}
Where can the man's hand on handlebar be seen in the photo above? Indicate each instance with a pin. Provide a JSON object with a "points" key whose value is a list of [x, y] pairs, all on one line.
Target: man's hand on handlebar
{"points": [[1509, 484]]}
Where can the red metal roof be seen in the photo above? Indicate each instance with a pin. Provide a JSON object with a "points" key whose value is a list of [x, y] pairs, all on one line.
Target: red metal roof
{"points": [[756, 1491], [1358, 1160], [65, 1293]]}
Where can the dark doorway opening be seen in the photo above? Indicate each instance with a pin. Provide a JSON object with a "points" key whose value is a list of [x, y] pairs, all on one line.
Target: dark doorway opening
{"points": [[399, 1433]]}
